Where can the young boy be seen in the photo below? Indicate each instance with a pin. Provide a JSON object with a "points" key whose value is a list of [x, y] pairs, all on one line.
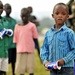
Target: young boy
{"points": [[23, 37], [12, 46], [59, 43]]}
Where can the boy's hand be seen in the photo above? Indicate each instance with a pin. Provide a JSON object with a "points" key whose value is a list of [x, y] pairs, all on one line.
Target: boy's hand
{"points": [[60, 62], [46, 66]]}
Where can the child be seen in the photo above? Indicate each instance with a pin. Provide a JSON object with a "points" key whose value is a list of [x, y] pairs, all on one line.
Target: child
{"points": [[12, 46], [23, 37], [59, 43], [3, 45]]}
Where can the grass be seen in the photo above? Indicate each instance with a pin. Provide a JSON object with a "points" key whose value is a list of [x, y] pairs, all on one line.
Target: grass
{"points": [[39, 68]]}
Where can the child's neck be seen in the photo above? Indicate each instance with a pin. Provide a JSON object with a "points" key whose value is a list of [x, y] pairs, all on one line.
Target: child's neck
{"points": [[8, 16], [25, 23], [57, 27]]}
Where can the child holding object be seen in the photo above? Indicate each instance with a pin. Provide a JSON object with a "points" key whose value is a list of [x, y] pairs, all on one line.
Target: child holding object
{"points": [[59, 43]]}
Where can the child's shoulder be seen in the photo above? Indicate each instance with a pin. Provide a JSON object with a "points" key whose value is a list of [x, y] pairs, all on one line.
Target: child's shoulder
{"points": [[31, 24], [13, 19], [17, 25], [69, 31], [48, 32]]}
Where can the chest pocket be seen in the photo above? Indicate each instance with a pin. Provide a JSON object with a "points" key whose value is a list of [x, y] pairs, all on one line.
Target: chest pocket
{"points": [[62, 41]]}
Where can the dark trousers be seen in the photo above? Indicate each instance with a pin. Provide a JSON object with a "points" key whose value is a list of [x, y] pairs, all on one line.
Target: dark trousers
{"points": [[63, 71]]}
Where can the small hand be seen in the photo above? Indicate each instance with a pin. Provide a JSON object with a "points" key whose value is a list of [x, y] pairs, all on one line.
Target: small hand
{"points": [[46, 68], [60, 62]]}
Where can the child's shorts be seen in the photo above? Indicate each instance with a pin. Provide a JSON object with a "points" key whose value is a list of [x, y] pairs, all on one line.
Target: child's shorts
{"points": [[3, 64], [24, 63]]}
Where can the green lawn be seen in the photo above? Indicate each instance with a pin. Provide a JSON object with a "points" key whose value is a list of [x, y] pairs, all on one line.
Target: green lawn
{"points": [[39, 68]]}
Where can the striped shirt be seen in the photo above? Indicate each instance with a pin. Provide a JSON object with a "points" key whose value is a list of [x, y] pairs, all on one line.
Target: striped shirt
{"points": [[59, 44]]}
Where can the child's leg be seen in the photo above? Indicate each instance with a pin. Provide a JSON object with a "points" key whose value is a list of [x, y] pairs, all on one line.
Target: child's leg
{"points": [[31, 74], [2, 73], [13, 68]]}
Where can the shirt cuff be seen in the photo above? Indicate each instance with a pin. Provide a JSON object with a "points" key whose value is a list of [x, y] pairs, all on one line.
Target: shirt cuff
{"points": [[45, 61], [65, 60]]}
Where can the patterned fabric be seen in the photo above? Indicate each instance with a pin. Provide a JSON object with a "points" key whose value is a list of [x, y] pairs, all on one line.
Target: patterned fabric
{"points": [[59, 44]]}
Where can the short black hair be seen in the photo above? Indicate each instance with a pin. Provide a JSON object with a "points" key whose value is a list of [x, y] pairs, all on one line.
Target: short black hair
{"points": [[24, 9], [61, 4]]}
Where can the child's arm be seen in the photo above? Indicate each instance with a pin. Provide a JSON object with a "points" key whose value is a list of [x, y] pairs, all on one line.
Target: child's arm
{"points": [[44, 51], [71, 54]]}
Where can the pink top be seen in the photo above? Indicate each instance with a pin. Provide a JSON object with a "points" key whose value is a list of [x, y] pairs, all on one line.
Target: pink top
{"points": [[23, 37]]}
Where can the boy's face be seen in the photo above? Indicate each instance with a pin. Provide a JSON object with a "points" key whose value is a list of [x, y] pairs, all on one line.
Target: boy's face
{"points": [[7, 9], [60, 14], [24, 16]]}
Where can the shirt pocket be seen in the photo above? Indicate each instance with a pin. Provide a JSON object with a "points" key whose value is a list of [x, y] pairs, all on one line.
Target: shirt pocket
{"points": [[62, 42]]}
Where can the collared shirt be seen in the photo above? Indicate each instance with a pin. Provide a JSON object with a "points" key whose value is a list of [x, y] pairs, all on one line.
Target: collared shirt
{"points": [[59, 44]]}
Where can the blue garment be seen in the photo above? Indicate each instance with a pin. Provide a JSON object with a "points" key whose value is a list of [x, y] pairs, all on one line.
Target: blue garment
{"points": [[59, 44]]}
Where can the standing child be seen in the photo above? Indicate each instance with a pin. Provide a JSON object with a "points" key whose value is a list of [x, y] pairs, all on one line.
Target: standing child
{"points": [[23, 37], [12, 46], [59, 43], [3, 44]]}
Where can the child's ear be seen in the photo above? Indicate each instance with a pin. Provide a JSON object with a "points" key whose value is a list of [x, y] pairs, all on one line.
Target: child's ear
{"points": [[68, 17], [52, 15]]}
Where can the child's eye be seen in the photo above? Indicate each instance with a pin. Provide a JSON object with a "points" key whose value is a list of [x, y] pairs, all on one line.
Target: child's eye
{"points": [[56, 13], [63, 13]]}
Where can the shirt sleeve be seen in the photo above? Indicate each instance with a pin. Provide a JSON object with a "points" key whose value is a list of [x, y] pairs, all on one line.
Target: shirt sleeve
{"points": [[71, 55], [15, 35], [35, 32], [44, 51]]}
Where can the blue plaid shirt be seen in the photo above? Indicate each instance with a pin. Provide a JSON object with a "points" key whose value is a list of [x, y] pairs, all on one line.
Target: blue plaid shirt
{"points": [[59, 44]]}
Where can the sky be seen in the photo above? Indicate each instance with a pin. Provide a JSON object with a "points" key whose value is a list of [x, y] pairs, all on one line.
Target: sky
{"points": [[41, 8]]}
